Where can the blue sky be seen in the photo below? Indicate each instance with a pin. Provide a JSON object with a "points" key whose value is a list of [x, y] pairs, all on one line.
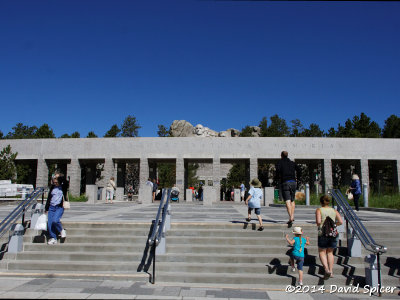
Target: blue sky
{"points": [[86, 65]]}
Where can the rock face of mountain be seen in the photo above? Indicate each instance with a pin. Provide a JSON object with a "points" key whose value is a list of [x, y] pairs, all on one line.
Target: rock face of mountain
{"points": [[182, 128]]}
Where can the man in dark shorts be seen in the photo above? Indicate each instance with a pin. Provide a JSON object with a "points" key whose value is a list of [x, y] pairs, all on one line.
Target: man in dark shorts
{"points": [[286, 171]]}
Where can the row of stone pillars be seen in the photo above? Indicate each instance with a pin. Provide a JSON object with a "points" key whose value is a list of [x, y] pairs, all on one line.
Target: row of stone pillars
{"points": [[110, 169]]}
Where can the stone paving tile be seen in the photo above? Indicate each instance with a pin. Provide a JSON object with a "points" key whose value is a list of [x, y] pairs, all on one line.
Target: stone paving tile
{"points": [[277, 295], [193, 293], [113, 296], [7, 284], [22, 295], [231, 293], [65, 296], [66, 283], [144, 297], [170, 291]]}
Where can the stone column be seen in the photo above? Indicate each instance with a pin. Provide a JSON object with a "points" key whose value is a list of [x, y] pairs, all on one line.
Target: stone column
{"points": [[108, 172], [74, 173], [143, 170], [42, 173], [180, 174], [253, 168], [216, 178], [364, 172], [398, 175], [328, 175], [143, 175]]}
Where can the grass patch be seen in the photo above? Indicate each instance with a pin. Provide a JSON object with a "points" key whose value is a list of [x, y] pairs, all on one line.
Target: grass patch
{"points": [[378, 201], [81, 198], [386, 201]]}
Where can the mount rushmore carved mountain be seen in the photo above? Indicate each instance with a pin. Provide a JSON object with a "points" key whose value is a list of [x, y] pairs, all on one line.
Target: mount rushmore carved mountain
{"points": [[182, 128]]}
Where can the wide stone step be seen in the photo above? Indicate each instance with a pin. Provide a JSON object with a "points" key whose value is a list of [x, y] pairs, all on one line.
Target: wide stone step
{"points": [[106, 225], [129, 240], [274, 258], [92, 275], [244, 241], [229, 233], [80, 256], [238, 249], [56, 265], [261, 268], [83, 247]]}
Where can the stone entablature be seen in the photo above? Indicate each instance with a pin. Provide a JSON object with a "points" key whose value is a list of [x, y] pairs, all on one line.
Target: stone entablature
{"points": [[191, 147], [212, 148]]}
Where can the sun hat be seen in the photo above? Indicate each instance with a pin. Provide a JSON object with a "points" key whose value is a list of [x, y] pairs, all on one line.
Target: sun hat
{"points": [[255, 182], [297, 230], [355, 177]]}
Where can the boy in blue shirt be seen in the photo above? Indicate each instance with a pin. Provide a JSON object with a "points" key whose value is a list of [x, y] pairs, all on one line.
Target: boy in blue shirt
{"points": [[298, 243]]}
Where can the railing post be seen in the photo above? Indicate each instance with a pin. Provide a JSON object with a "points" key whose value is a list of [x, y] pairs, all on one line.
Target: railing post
{"points": [[372, 271], [365, 194], [307, 194], [353, 244], [153, 251]]}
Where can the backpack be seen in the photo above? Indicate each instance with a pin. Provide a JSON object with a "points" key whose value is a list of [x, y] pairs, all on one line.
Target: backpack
{"points": [[329, 228]]}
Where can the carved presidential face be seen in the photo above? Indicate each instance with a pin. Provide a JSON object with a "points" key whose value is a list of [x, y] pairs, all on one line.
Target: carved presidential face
{"points": [[199, 129]]}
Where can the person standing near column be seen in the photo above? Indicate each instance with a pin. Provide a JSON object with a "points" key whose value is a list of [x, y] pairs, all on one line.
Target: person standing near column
{"points": [[110, 190], [286, 171], [355, 189], [242, 190]]}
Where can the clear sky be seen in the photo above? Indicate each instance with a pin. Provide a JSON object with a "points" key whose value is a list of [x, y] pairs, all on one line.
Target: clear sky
{"points": [[82, 65]]}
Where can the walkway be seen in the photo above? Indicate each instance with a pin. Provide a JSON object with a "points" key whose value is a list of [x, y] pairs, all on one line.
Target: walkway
{"points": [[44, 288]]}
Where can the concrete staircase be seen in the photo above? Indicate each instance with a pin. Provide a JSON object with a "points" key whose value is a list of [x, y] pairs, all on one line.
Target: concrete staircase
{"points": [[91, 250], [219, 254], [239, 255]]}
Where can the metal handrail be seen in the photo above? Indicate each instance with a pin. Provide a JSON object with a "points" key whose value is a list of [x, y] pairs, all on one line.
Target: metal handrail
{"points": [[164, 217], [157, 220], [359, 229], [158, 227], [19, 211]]}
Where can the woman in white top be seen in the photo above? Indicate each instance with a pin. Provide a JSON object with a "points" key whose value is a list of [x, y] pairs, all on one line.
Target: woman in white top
{"points": [[110, 190]]}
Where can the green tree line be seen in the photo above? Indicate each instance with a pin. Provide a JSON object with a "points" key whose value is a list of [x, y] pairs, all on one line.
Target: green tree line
{"points": [[358, 127]]}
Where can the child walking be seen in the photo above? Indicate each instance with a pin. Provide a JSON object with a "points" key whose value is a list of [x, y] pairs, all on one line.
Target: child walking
{"points": [[298, 243]]}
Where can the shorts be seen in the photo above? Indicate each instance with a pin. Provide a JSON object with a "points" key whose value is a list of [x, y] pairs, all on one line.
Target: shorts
{"points": [[299, 261], [288, 190], [325, 242], [256, 210], [242, 194]]}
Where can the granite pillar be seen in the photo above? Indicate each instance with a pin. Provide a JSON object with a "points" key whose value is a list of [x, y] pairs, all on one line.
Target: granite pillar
{"points": [[74, 174], [42, 173], [216, 173], [398, 175], [364, 172], [253, 168], [180, 173], [328, 175]]}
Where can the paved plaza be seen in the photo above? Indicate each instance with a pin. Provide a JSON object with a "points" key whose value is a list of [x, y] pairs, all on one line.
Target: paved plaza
{"points": [[45, 288]]}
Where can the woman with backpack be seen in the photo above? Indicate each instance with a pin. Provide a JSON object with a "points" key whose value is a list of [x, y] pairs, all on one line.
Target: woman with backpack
{"points": [[327, 218]]}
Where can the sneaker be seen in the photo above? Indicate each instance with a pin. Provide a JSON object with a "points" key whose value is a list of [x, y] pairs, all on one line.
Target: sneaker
{"points": [[63, 234], [52, 241], [293, 269], [300, 283], [261, 228]]}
